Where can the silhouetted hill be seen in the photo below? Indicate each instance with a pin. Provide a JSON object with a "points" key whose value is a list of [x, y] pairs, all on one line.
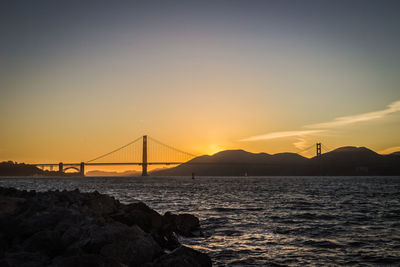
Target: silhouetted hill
{"points": [[240, 162], [9, 168], [342, 161], [352, 153], [111, 173]]}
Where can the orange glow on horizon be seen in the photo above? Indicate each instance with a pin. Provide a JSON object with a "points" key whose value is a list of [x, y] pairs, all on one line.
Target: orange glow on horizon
{"points": [[213, 149]]}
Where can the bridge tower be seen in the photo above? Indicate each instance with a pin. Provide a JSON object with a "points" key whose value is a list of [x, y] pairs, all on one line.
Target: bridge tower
{"points": [[82, 169], [318, 149], [144, 156], [60, 167]]}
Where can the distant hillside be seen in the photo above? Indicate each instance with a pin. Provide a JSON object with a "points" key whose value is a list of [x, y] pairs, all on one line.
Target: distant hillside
{"points": [[108, 173], [341, 161], [9, 168]]}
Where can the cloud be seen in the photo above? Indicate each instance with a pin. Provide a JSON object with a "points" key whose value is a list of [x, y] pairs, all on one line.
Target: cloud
{"points": [[275, 135], [389, 150], [346, 120], [301, 141]]}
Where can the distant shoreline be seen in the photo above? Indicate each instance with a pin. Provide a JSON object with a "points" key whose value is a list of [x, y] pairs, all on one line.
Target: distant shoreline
{"points": [[343, 161], [198, 177]]}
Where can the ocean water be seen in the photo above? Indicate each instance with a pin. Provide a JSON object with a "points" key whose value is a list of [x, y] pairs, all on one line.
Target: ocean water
{"points": [[268, 221]]}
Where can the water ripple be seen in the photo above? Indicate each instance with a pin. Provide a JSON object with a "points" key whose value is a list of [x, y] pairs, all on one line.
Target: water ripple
{"points": [[269, 221]]}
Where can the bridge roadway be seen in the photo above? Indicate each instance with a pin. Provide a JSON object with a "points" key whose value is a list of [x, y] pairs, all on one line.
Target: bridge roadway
{"points": [[80, 167], [106, 163]]}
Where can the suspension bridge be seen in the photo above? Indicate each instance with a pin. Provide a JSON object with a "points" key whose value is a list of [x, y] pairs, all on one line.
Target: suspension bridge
{"points": [[143, 151]]}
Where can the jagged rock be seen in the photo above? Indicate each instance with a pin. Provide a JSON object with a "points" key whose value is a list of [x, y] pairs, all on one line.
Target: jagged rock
{"points": [[167, 239], [184, 224], [115, 240], [85, 260], [47, 242], [140, 214], [33, 221], [70, 235], [9, 204], [182, 257], [89, 229], [100, 205], [24, 259], [131, 253], [3, 245]]}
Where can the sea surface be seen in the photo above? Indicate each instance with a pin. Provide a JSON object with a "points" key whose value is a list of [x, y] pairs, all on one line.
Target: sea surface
{"points": [[268, 221]]}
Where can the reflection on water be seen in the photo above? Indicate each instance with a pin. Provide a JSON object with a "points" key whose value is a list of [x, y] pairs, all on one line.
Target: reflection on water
{"points": [[269, 220]]}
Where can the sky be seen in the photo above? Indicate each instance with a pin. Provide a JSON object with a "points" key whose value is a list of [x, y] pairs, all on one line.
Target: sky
{"points": [[81, 78]]}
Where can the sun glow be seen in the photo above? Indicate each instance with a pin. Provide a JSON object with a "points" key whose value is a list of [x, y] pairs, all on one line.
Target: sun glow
{"points": [[213, 148]]}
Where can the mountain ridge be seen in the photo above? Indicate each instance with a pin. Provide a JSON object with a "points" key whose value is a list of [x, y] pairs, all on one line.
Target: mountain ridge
{"points": [[347, 160]]}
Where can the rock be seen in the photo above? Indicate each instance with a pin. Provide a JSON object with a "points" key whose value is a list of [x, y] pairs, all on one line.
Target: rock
{"points": [[47, 242], [131, 253], [33, 221], [130, 245], [89, 229], [182, 257], [24, 259], [9, 204], [184, 224], [70, 235], [3, 245], [85, 260], [140, 214], [167, 239], [101, 205]]}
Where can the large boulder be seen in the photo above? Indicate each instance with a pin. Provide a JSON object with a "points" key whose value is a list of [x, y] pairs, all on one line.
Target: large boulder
{"points": [[47, 242], [70, 228], [101, 205], [24, 259], [127, 244], [150, 221], [184, 224], [34, 220], [140, 214], [9, 204], [85, 260], [183, 257]]}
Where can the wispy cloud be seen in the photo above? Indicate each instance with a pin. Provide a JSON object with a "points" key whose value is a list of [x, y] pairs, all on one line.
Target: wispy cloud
{"points": [[346, 120], [275, 135], [301, 142], [390, 150]]}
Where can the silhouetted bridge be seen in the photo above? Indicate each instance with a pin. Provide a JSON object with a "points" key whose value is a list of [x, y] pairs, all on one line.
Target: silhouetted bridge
{"points": [[147, 152], [133, 153]]}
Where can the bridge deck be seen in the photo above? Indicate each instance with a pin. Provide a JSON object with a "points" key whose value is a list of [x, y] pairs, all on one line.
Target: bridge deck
{"points": [[108, 163]]}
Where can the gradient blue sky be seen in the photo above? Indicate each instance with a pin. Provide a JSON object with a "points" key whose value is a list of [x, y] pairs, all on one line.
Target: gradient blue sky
{"points": [[79, 78]]}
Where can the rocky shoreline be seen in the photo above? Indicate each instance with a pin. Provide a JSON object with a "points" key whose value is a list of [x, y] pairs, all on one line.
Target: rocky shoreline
{"points": [[71, 228]]}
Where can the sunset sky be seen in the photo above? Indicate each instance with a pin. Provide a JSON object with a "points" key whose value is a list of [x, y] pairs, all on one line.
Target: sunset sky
{"points": [[80, 78]]}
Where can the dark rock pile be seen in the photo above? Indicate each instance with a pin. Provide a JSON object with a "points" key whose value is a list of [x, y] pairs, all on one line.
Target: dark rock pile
{"points": [[70, 228]]}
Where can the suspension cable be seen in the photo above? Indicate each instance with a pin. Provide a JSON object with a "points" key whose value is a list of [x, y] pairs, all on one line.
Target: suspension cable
{"points": [[170, 147], [115, 150], [306, 149], [326, 147]]}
